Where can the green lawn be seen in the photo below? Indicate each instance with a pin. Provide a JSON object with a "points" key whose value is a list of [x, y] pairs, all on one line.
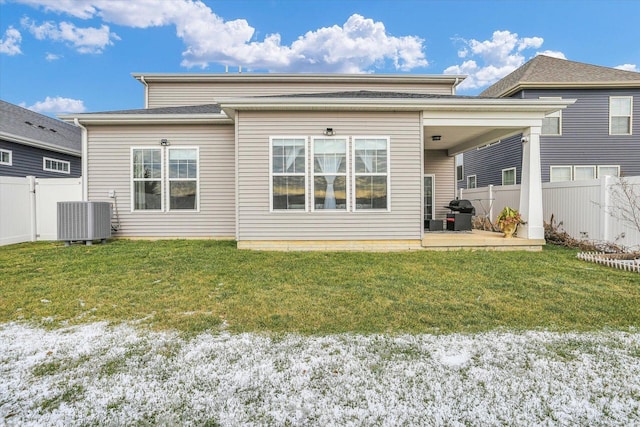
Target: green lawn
{"points": [[193, 286]]}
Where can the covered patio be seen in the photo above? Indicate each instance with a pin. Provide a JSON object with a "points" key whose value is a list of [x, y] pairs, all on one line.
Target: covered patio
{"points": [[465, 124]]}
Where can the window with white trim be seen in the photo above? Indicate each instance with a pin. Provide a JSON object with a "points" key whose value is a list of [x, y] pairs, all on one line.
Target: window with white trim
{"points": [[330, 174], [552, 123], [6, 157], [55, 165], [183, 178], [147, 179], [371, 172], [459, 172], [560, 173], [582, 173], [608, 170], [509, 176], [620, 115], [288, 173], [472, 181]]}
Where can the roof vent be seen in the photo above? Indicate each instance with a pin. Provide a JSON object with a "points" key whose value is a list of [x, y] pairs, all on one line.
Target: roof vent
{"points": [[29, 123]]}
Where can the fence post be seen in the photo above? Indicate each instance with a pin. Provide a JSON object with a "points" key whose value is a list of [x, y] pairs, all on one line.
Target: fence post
{"points": [[605, 189], [490, 188], [32, 207]]}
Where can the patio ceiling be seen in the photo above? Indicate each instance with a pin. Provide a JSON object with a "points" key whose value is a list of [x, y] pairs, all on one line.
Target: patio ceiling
{"points": [[457, 139]]}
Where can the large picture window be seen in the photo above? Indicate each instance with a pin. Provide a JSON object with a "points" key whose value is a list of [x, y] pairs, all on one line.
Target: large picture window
{"points": [[147, 179], [620, 116], [288, 173], [371, 177], [330, 173]]}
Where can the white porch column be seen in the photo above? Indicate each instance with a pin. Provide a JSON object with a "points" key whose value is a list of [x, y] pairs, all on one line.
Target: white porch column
{"points": [[531, 186]]}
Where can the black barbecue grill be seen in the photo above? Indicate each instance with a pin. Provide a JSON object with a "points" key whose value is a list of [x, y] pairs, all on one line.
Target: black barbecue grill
{"points": [[461, 206], [460, 217]]}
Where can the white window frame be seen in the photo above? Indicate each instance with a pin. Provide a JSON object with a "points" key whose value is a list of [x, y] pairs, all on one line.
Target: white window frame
{"points": [[551, 168], [630, 98], [555, 114], [313, 173], [475, 181], [161, 179], [356, 174], [617, 167], [167, 174], [52, 161], [590, 167], [515, 175], [9, 154], [305, 174]]}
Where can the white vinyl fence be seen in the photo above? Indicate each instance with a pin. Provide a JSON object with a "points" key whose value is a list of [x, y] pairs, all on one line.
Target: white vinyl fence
{"points": [[28, 207], [586, 210]]}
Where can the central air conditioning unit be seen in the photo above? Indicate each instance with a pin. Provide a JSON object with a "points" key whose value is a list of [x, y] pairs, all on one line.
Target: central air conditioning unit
{"points": [[84, 221]]}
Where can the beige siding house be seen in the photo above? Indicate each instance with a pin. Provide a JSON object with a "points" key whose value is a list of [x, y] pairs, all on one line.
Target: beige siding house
{"points": [[298, 161]]}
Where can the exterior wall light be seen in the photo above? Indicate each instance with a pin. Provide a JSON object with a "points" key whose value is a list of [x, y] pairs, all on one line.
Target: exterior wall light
{"points": [[436, 137], [164, 142], [329, 132]]}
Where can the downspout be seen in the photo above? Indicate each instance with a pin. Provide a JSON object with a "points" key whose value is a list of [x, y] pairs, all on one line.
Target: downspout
{"points": [[85, 160], [455, 84], [146, 92]]}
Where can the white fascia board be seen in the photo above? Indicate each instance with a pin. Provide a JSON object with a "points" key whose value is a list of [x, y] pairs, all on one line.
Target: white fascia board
{"points": [[393, 104], [570, 85], [39, 144], [295, 78], [96, 119]]}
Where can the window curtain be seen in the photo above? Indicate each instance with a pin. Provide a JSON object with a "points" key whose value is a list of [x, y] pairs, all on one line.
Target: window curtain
{"points": [[329, 165]]}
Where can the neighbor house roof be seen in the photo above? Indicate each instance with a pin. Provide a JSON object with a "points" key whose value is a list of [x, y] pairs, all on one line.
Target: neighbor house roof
{"points": [[27, 127], [545, 71]]}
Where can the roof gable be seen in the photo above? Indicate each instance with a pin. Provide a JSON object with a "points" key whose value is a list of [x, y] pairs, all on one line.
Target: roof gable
{"points": [[553, 72]]}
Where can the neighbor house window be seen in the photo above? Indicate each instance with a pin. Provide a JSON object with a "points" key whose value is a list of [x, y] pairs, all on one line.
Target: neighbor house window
{"points": [[183, 178], [459, 172], [147, 179], [330, 173], [581, 173], [620, 116], [560, 173], [608, 171], [5, 157], [288, 173], [552, 123], [509, 176], [472, 181], [371, 172], [54, 165]]}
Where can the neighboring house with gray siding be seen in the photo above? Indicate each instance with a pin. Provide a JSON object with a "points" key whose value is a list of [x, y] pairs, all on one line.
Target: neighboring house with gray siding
{"points": [[32, 144], [598, 135], [296, 160]]}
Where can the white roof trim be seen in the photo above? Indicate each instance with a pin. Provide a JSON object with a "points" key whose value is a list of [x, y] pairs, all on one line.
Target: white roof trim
{"points": [[144, 118], [39, 144], [292, 78]]}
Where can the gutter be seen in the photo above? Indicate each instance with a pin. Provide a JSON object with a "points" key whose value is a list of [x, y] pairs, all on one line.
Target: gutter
{"points": [[39, 144], [85, 160], [146, 91]]}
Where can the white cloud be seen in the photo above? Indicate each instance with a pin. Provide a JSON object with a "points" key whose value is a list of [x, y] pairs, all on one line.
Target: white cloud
{"points": [[359, 45], [552, 53], [58, 105], [84, 40], [10, 44], [628, 67], [52, 57], [488, 61]]}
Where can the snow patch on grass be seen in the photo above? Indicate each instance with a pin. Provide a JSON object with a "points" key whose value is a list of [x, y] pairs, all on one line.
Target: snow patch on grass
{"points": [[112, 375]]}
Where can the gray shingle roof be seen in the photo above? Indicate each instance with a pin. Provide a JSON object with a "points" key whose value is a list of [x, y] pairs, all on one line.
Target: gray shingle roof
{"points": [[367, 94], [545, 69], [28, 124], [191, 109]]}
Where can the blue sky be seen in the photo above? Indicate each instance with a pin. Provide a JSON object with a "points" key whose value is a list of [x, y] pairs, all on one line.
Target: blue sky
{"points": [[64, 56]]}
